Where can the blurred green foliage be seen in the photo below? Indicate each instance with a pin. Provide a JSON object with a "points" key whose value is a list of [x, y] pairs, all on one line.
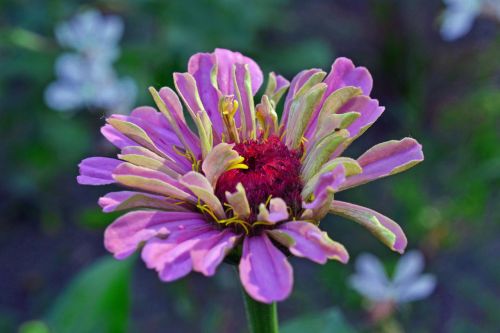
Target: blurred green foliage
{"points": [[447, 95], [96, 301], [330, 320]]}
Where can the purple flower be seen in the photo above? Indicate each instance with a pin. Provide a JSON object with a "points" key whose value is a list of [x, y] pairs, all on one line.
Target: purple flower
{"points": [[243, 182]]}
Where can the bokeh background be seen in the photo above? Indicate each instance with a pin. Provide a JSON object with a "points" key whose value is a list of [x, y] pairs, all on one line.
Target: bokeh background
{"points": [[55, 275]]}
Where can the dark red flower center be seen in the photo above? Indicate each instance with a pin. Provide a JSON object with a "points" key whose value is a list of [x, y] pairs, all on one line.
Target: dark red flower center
{"points": [[273, 171]]}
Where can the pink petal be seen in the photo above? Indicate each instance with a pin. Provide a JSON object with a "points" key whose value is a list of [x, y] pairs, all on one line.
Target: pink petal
{"points": [[203, 190], [117, 138], [382, 227], [327, 184], [124, 235], [344, 73], [386, 159], [369, 110], [153, 123], [218, 160], [151, 181], [97, 171], [159, 140], [174, 107], [207, 254], [131, 199], [265, 272], [173, 104], [278, 211], [310, 242], [171, 256], [246, 107], [225, 60], [297, 82], [156, 127], [200, 66], [186, 87], [281, 83], [143, 157]]}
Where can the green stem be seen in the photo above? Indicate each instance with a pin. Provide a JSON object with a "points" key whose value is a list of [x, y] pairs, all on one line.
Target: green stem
{"points": [[262, 318]]}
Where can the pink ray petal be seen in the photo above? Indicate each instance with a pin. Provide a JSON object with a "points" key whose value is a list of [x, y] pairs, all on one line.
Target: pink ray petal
{"points": [[265, 273]]}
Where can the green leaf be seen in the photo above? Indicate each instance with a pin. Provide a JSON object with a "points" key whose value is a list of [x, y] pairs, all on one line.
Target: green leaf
{"points": [[96, 301], [34, 326], [328, 321]]}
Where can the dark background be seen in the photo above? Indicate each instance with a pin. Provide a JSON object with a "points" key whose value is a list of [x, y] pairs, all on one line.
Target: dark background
{"points": [[444, 94]]}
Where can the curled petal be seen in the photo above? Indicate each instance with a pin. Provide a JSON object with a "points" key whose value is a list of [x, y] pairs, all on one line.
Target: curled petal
{"points": [[201, 187], [331, 123], [328, 183], [320, 153], [225, 60], [168, 103], [265, 273], [117, 138], [97, 171], [278, 211], [351, 168], [330, 105], [301, 110], [304, 239], [220, 159], [267, 118], [144, 157], [243, 89], [127, 232], [239, 202], [386, 159], [368, 110], [382, 227], [301, 83], [208, 253], [153, 129], [121, 200], [151, 181], [276, 87], [186, 86], [151, 140], [344, 73], [171, 257], [201, 66]]}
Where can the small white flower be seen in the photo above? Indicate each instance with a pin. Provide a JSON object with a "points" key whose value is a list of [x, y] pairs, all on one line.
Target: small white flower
{"points": [[407, 285], [87, 78], [93, 34], [459, 16]]}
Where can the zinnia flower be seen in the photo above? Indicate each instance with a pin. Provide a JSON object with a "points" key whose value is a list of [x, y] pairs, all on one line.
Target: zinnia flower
{"points": [[244, 184]]}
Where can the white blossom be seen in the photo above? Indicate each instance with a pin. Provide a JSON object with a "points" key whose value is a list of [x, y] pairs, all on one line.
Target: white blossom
{"points": [[407, 285]]}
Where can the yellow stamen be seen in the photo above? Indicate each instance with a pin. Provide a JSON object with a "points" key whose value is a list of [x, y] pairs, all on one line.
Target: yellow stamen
{"points": [[228, 107], [236, 164], [190, 157], [232, 220]]}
